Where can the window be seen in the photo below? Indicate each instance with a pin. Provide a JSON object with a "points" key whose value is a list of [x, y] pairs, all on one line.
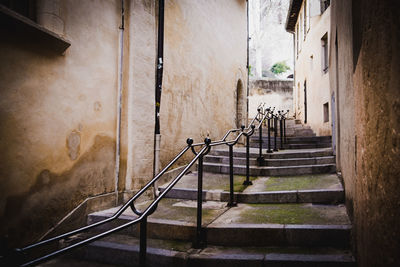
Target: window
{"points": [[19, 20], [326, 112], [26, 8], [324, 5], [324, 56]]}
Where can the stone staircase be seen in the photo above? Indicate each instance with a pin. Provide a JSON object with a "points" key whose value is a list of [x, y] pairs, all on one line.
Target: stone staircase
{"points": [[292, 215]]}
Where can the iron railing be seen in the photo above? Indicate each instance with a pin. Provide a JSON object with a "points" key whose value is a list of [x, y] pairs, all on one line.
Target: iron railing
{"points": [[21, 256]]}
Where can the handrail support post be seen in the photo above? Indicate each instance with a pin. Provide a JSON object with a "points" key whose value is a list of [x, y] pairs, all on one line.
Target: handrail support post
{"points": [[247, 181], [269, 136], [260, 158], [275, 133], [143, 242], [231, 202], [199, 231], [284, 131], [281, 132]]}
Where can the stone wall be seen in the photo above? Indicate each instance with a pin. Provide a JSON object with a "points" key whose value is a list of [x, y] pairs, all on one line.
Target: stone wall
{"points": [[367, 81], [274, 93]]}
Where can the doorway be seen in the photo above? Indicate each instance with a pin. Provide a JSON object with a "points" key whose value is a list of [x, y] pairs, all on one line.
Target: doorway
{"points": [[305, 102], [240, 104]]}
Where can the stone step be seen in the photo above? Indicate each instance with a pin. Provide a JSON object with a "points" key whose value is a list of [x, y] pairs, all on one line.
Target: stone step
{"points": [[75, 259], [240, 152], [246, 225], [324, 188], [271, 171], [123, 250], [272, 162], [294, 140], [293, 146]]}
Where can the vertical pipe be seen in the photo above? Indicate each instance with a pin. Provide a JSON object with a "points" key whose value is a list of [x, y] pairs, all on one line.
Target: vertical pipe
{"points": [[269, 136], [158, 90], [143, 242], [231, 202], [160, 63], [248, 74], [119, 104], [198, 241]]}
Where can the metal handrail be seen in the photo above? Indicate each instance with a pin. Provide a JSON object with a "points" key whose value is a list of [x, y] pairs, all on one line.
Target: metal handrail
{"points": [[263, 114], [142, 216]]}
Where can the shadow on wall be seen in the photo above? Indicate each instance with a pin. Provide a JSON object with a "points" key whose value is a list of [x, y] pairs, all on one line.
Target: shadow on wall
{"points": [[31, 214]]}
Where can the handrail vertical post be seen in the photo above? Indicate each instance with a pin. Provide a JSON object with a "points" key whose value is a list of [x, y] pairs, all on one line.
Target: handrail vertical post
{"points": [[284, 131], [143, 242], [198, 241], [260, 158], [231, 202], [281, 132], [275, 133], [247, 181], [269, 135]]}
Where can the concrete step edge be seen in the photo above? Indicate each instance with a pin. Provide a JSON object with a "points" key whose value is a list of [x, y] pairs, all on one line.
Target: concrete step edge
{"points": [[268, 167], [325, 196], [210, 256]]}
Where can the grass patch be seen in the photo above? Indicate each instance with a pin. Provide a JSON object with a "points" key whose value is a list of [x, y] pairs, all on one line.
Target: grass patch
{"points": [[167, 211], [284, 214], [301, 182], [238, 183], [292, 214]]}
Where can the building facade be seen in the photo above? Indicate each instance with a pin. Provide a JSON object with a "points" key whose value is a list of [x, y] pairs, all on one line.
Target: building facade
{"points": [[361, 55], [364, 82], [309, 21], [77, 104]]}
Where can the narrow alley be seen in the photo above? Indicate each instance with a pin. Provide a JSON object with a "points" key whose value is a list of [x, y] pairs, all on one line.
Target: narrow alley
{"points": [[200, 133]]}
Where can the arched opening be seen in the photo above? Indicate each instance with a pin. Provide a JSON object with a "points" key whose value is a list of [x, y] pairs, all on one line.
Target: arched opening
{"points": [[240, 104]]}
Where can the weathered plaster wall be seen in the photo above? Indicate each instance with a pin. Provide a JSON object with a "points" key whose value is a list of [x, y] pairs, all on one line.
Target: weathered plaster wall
{"points": [[205, 56], [308, 67], [274, 93], [373, 172], [58, 117], [59, 112], [138, 96]]}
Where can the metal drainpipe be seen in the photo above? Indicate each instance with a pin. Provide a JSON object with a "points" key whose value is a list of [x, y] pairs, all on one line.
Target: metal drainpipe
{"points": [[120, 71], [160, 66], [294, 78], [248, 72]]}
